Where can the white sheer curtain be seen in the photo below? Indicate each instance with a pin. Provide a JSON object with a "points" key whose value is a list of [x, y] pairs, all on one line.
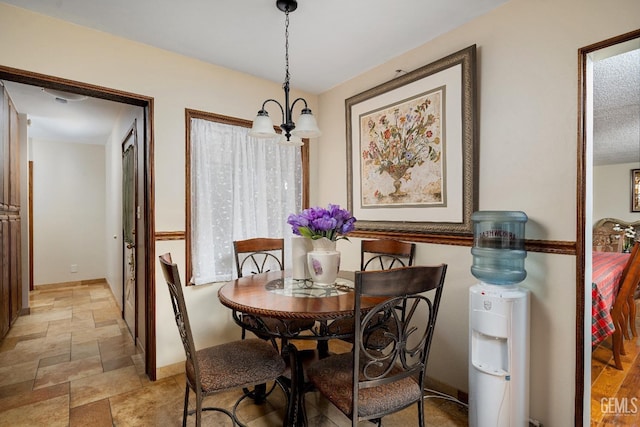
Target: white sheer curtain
{"points": [[241, 187]]}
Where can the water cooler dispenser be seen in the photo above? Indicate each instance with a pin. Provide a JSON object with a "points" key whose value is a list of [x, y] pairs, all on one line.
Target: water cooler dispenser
{"points": [[498, 322]]}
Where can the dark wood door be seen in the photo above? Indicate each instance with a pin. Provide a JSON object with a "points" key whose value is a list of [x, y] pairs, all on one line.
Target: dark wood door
{"points": [[129, 218], [5, 297], [10, 219], [15, 268]]}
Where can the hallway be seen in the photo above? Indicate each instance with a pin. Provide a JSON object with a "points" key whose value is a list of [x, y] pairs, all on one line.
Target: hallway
{"points": [[72, 362]]}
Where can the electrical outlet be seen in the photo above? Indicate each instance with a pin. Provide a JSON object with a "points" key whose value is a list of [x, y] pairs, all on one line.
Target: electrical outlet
{"points": [[74, 268]]}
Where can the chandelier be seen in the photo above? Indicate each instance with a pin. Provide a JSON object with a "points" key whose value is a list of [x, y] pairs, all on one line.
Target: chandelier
{"points": [[306, 126]]}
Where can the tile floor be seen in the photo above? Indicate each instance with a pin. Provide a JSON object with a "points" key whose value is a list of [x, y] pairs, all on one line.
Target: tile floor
{"points": [[72, 362]]}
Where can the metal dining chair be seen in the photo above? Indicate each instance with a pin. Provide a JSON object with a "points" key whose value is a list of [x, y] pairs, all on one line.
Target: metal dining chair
{"points": [[368, 384], [210, 370], [629, 281], [260, 255], [382, 254]]}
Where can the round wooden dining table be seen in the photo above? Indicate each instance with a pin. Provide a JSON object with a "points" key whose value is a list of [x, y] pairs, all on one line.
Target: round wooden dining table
{"points": [[276, 295]]}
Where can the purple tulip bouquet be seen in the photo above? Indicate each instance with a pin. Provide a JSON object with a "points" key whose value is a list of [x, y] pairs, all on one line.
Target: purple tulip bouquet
{"points": [[314, 223]]}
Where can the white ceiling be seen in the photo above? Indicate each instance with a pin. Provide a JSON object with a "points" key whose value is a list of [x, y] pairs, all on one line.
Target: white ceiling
{"points": [[331, 41], [87, 121], [616, 116]]}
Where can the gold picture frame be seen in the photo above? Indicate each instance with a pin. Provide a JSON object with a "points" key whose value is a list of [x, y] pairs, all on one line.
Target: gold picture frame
{"points": [[635, 190], [411, 150]]}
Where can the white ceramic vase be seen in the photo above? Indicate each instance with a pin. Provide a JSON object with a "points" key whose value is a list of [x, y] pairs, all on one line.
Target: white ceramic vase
{"points": [[323, 262], [300, 247]]}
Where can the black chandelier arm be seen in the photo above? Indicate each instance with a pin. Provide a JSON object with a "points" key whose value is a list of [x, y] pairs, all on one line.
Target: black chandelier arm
{"points": [[272, 100], [288, 124], [306, 107]]}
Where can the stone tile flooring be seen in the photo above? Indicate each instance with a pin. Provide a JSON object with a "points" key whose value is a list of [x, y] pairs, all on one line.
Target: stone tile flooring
{"points": [[72, 362]]}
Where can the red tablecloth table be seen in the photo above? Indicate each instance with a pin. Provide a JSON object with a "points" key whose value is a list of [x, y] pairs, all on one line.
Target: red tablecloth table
{"points": [[606, 274]]}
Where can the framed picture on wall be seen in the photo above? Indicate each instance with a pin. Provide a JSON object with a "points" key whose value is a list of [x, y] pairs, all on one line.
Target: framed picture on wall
{"points": [[411, 150], [635, 190]]}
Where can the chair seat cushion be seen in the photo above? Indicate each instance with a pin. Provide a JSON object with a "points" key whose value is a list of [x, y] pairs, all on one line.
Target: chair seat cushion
{"points": [[236, 364], [333, 377]]}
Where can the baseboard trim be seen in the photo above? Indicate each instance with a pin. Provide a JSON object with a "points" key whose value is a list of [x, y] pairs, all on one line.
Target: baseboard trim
{"points": [[25, 312], [70, 284], [446, 389], [170, 370]]}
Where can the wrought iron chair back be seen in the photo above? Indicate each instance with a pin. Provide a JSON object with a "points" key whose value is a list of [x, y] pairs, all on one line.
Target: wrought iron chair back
{"points": [[258, 255], [172, 277], [367, 383], [253, 360], [385, 254]]}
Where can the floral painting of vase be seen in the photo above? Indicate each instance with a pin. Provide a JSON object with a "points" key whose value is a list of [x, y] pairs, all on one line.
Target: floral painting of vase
{"points": [[402, 148]]}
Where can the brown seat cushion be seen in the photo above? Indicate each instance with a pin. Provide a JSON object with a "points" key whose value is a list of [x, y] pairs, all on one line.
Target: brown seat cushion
{"points": [[332, 376], [236, 364]]}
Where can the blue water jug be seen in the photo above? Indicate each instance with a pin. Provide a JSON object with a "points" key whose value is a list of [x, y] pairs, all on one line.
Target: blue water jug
{"points": [[498, 247]]}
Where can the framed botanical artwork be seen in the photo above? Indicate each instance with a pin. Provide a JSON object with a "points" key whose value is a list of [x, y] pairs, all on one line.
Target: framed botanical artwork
{"points": [[411, 150], [635, 190]]}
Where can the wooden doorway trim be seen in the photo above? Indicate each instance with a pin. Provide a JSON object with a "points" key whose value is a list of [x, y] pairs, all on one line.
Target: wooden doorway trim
{"points": [[146, 102], [581, 215], [30, 219]]}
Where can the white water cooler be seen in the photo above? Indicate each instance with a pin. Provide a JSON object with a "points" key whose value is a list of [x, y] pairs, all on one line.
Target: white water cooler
{"points": [[498, 323]]}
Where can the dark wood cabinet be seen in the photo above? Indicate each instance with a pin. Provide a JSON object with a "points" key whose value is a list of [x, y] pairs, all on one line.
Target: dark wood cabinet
{"points": [[5, 296], [10, 220]]}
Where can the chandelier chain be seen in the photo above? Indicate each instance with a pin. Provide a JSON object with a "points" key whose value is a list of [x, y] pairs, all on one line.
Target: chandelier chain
{"points": [[286, 45]]}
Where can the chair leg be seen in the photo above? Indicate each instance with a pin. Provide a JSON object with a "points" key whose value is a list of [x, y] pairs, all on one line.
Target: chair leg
{"points": [[296, 412], [198, 409], [617, 348], [626, 309], [621, 324], [421, 412], [632, 316], [185, 412]]}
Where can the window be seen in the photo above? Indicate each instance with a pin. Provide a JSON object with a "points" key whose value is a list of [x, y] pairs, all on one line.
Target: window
{"points": [[238, 187]]}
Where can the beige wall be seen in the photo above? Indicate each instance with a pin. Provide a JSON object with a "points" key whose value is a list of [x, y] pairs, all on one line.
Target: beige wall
{"points": [[69, 211], [612, 192], [40, 44], [527, 88]]}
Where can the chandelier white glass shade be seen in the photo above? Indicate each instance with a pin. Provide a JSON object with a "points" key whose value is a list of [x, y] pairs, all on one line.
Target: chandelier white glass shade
{"points": [[306, 126]]}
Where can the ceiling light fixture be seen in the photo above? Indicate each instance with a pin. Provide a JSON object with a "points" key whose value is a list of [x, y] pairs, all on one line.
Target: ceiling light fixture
{"points": [[306, 126], [63, 97]]}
